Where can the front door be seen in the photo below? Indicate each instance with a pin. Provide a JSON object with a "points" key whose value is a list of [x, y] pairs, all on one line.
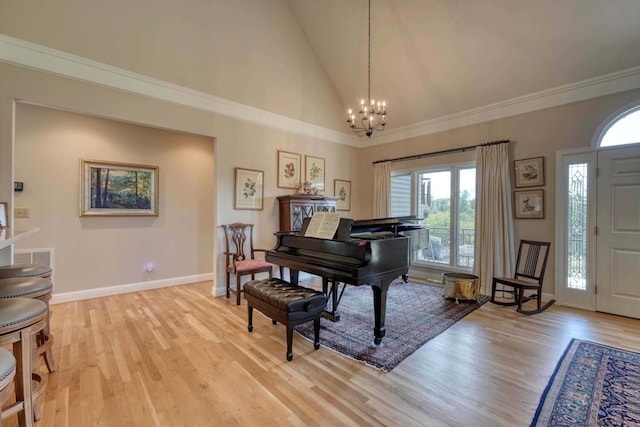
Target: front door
{"points": [[618, 237]]}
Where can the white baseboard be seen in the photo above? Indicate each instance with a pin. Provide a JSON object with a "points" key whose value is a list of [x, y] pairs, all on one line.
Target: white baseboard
{"points": [[132, 287]]}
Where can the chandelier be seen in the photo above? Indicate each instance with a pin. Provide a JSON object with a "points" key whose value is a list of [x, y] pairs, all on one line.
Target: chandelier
{"points": [[372, 114]]}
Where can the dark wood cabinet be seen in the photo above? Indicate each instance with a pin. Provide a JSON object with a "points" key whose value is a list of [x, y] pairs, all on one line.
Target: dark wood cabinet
{"points": [[296, 207]]}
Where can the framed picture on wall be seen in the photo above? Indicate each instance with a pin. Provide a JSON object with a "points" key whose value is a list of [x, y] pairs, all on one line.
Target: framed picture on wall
{"points": [[529, 204], [118, 189], [314, 171], [249, 189], [342, 190], [289, 169], [4, 215], [529, 172]]}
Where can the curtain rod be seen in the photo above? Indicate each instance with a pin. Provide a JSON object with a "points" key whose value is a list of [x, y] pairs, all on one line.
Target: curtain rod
{"points": [[438, 153]]}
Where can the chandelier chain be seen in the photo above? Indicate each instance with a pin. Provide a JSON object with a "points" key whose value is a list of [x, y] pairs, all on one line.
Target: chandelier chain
{"points": [[372, 115], [369, 58]]}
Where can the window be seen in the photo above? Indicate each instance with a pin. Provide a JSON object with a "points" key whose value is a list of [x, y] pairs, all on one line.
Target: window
{"points": [[577, 225], [624, 130], [445, 198], [401, 195]]}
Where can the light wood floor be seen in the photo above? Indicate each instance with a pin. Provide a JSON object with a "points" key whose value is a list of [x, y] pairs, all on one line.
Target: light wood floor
{"points": [[179, 357]]}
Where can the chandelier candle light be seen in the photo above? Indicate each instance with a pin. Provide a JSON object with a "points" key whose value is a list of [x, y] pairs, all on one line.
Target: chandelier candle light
{"points": [[372, 115]]}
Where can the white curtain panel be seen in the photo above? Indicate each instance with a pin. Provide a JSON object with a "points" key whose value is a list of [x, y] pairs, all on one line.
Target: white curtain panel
{"points": [[494, 245], [381, 189]]}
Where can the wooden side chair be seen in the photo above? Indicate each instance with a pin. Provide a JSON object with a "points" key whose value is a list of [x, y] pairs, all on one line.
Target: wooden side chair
{"points": [[530, 266], [240, 256]]}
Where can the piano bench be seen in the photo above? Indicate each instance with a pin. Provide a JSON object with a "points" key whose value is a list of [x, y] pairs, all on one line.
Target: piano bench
{"points": [[285, 303]]}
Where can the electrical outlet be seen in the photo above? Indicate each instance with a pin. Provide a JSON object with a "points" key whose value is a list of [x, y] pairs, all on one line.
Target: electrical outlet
{"points": [[21, 213]]}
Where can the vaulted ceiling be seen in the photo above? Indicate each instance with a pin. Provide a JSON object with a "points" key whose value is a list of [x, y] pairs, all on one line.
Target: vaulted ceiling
{"points": [[433, 59]]}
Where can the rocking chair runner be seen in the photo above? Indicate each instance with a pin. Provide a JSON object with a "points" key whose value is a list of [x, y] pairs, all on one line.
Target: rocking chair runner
{"points": [[240, 256], [530, 266]]}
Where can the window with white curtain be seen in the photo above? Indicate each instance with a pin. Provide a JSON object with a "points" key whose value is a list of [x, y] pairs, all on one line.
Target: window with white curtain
{"points": [[445, 198]]}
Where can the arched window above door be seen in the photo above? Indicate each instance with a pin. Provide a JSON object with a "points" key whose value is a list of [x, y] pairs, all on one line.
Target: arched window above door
{"points": [[623, 130]]}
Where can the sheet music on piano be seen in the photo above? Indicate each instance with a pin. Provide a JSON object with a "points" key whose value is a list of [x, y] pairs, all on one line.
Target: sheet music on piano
{"points": [[323, 225]]}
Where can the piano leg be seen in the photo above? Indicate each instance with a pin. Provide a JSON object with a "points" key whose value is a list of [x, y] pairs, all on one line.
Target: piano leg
{"points": [[333, 293], [293, 277], [380, 309]]}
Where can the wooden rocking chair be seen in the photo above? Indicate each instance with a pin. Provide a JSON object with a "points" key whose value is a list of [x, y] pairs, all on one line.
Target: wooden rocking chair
{"points": [[530, 267]]}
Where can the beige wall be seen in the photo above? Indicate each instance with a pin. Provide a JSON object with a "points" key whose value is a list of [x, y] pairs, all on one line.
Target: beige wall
{"points": [[240, 144], [107, 251], [237, 144], [540, 133], [252, 52], [249, 51]]}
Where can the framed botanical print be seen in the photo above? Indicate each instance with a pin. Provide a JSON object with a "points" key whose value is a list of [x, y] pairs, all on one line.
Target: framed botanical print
{"points": [[249, 189], [289, 169], [529, 172], [528, 204], [342, 190], [314, 171]]}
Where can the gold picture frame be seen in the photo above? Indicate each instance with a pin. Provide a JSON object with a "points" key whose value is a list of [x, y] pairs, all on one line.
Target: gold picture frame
{"points": [[118, 189], [4, 215], [529, 172], [289, 169], [342, 190], [314, 171], [528, 204], [249, 194]]}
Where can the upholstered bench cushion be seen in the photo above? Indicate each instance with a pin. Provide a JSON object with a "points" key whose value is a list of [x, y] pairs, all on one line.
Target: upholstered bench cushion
{"points": [[7, 363], [284, 296], [24, 270], [285, 303], [14, 311], [27, 287], [250, 264]]}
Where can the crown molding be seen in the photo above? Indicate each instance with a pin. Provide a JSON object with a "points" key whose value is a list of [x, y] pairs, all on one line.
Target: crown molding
{"points": [[30, 55], [607, 84]]}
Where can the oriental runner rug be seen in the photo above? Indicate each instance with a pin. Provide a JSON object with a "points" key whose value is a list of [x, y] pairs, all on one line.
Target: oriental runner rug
{"points": [[416, 313], [593, 385]]}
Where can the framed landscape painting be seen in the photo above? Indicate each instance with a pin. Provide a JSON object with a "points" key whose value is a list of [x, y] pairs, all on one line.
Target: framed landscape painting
{"points": [[289, 169], [249, 189], [342, 190], [314, 171], [118, 189]]}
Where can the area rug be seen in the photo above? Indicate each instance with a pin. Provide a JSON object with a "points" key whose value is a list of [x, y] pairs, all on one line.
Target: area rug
{"points": [[593, 385], [416, 313]]}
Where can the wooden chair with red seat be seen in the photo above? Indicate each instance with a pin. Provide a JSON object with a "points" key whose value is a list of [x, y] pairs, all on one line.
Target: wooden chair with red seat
{"points": [[240, 256], [530, 266]]}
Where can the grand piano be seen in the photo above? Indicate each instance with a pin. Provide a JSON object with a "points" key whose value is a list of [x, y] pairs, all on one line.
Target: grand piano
{"points": [[366, 252]]}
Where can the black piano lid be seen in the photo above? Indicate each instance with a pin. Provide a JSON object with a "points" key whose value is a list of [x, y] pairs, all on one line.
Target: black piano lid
{"points": [[393, 225]]}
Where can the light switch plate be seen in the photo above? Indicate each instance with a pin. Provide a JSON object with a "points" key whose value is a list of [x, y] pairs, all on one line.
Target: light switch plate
{"points": [[21, 213]]}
